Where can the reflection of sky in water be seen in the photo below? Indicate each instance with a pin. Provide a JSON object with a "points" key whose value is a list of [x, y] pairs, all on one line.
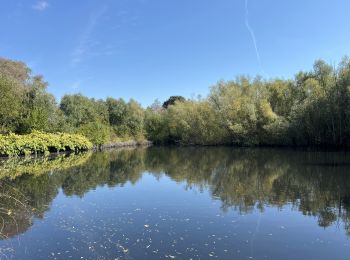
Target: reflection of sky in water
{"points": [[158, 218]]}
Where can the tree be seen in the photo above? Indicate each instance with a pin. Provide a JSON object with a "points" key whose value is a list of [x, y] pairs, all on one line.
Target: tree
{"points": [[125, 118], [28, 104], [16, 70], [116, 111], [172, 100], [11, 96], [80, 110], [134, 118], [41, 111], [96, 132]]}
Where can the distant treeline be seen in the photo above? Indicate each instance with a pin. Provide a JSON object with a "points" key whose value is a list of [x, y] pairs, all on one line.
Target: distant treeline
{"points": [[313, 109]]}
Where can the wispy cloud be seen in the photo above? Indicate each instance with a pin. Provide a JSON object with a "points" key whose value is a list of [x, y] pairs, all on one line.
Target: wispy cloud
{"points": [[40, 5], [252, 35], [86, 41]]}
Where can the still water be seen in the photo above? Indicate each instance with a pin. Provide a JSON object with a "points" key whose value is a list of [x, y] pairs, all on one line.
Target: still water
{"points": [[177, 203]]}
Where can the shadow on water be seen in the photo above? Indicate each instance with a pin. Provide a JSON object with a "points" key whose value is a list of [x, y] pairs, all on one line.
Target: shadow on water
{"points": [[314, 183]]}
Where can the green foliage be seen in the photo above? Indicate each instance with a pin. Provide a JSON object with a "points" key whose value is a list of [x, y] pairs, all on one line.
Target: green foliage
{"points": [[126, 118], [116, 110], [134, 118], [172, 100], [41, 143], [16, 70], [27, 107], [188, 122], [155, 126], [11, 95], [41, 109], [80, 110], [25, 103], [96, 132], [310, 110]]}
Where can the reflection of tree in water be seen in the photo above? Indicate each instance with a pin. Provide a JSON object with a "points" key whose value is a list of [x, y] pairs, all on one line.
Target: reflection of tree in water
{"points": [[15, 213], [315, 183], [30, 193], [105, 168]]}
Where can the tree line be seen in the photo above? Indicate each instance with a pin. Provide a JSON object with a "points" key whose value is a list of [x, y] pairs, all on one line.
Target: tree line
{"points": [[313, 109], [27, 106]]}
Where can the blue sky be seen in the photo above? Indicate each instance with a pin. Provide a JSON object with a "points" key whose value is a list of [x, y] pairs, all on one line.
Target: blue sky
{"points": [[148, 49]]}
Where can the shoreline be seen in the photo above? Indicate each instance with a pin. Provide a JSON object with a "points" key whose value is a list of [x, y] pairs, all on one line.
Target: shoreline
{"points": [[147, 143], [130, 143]]}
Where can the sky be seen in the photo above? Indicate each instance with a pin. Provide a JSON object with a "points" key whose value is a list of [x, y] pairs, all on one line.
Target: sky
{"points": [[152, 49]]}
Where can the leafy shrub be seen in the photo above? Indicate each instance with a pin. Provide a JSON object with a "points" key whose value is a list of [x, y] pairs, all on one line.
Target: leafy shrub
{"points": [[42, 143], [96, 132]]}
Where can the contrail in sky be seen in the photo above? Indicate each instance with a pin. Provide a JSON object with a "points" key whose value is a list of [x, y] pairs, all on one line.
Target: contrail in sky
{"points": [[252, 35]]}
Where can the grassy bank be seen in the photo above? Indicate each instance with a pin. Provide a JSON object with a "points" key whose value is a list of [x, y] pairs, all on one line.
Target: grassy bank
{"points": [[42, 143]]}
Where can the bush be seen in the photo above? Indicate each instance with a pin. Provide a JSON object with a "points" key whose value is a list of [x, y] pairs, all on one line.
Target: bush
{"points": [[96, 132], [42, 143]]}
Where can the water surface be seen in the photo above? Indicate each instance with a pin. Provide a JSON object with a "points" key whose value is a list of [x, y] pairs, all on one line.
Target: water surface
{"points": [[177, 203]]}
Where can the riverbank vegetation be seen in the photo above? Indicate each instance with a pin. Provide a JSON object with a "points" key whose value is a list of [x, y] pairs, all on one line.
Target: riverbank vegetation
{"points": [[313, 109], [42, 143]]}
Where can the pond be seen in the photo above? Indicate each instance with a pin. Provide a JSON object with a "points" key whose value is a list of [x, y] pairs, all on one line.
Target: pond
{"points": [[177, 203]]}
